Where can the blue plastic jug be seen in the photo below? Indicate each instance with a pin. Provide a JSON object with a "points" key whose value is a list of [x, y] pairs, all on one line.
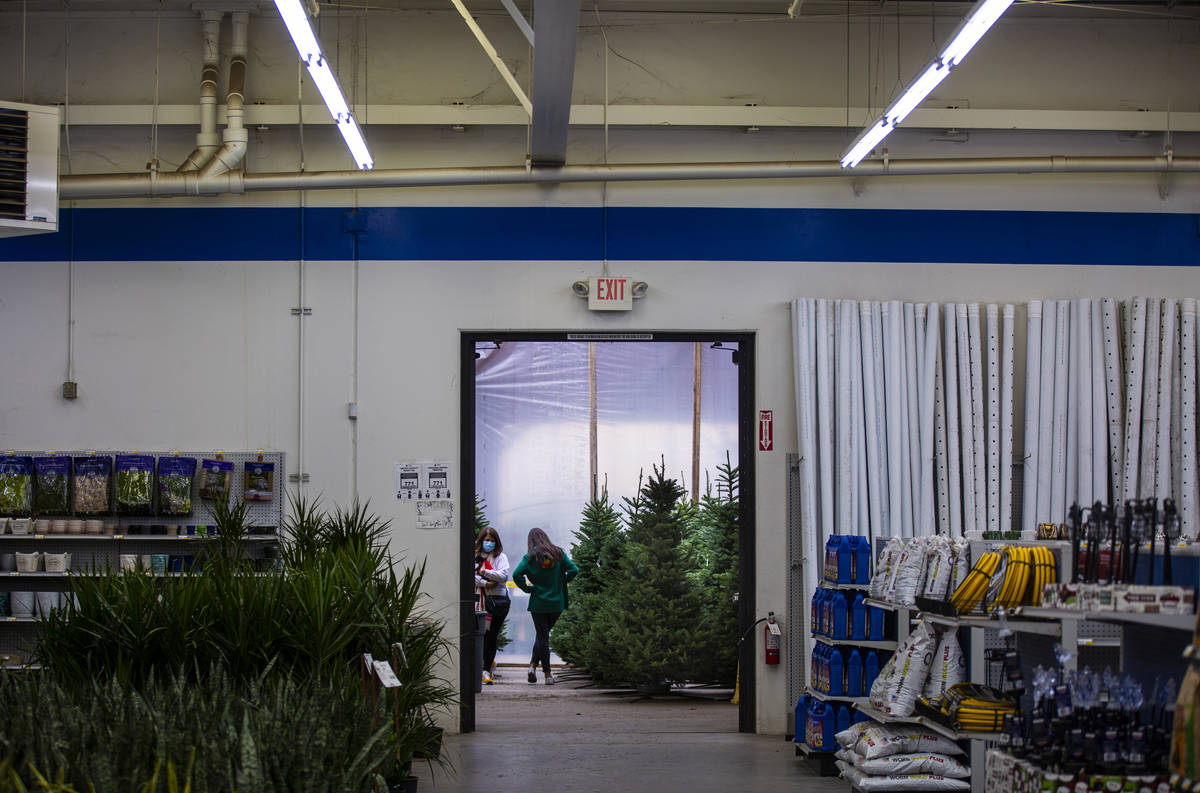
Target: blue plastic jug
{"points": [[845, 559], [858, 618], [818, 610], [822, 726], [799, 719], [831, 557], [870, 670], [862, 561], [859, 717], [837, 676], [839, 609], [875, 623], [854, 674], [827, 618], [843, 719]]}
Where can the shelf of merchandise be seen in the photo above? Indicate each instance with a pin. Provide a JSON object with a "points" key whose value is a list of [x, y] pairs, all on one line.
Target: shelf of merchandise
{"points": [[865, 643], [821, 695], [883, 604], [846, 587], [1041, 627], [20, 619], [929, 724], [129, 537], [1177, 622]]}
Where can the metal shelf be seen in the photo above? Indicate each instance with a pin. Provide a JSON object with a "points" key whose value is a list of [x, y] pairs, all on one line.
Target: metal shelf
{"points": [[1044, 628], [19, 619], [56, 536], [808, 751], [883, 604], [849, 587], [930, 724], [821, 695], [1178, 622], [867, 643]]}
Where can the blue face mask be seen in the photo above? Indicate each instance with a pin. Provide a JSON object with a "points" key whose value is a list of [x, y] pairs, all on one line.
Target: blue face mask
{"points": [[489, 546]]}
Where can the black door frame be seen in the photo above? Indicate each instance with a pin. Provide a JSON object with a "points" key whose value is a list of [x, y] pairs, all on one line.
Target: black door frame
{"points": [[747, 428]]}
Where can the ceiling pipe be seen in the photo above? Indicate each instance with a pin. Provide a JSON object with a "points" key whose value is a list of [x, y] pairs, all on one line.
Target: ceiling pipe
{"points": [[235, 137], [73, 187], [207, 141]]}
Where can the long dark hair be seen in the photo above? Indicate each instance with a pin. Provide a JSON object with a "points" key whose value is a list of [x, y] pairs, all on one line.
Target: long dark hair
{"points": [[541, 550], [488, 531]]}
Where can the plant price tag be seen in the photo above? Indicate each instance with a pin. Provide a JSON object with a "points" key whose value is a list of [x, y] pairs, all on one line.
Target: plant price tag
{"points": [[387, 678]]}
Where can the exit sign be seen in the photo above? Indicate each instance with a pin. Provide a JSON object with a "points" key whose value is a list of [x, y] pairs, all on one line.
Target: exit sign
{"points": [[608, 293]]}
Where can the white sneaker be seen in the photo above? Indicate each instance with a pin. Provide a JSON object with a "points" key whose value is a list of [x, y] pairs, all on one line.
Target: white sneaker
{"points": [[549, 680]]}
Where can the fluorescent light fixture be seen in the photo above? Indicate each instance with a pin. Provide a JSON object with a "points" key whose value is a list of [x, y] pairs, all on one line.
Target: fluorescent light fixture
{"points": [[967, 35], [296, 19], [867, 139]]}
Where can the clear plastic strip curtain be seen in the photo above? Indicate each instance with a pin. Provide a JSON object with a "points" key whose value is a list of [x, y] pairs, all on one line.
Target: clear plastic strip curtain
{"points": [[1110, 405], [904, 416]]}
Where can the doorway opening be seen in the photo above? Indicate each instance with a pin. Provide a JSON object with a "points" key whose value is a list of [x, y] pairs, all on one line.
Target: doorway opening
{"points": [[551, 420]]}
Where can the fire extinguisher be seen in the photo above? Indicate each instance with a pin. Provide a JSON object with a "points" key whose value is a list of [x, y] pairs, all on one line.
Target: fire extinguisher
{"points": [[771, 639]]}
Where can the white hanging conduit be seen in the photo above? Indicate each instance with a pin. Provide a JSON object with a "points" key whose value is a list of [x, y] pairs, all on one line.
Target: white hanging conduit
{"points": [[1129, 429], [136, 185], [905, 421], [207, 141], [234, 139]]}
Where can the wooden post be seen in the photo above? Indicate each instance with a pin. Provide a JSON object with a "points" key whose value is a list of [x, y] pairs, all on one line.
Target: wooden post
{"points": [[696, 424], [593, 454]]}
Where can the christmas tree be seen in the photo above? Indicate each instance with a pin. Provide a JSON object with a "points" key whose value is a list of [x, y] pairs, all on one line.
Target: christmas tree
{"points": [[647, 621], [714, 545], [597, 548]]}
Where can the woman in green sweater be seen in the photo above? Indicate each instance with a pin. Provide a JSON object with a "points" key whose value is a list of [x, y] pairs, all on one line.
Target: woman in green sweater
{"points": [[544, 573]]}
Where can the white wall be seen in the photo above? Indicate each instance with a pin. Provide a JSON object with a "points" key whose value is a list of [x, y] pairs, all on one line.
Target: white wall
{"points": [[204, 355]]}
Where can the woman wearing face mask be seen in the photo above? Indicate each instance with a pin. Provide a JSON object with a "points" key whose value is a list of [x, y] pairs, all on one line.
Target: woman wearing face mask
{"points": [[491, 578]]}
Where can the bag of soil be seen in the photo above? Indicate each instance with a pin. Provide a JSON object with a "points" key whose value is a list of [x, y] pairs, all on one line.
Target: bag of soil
{"points": [[175, 477], [16, 486], [216, 478], [259, 482], [51, 485], [93, 479], [135, 484]]}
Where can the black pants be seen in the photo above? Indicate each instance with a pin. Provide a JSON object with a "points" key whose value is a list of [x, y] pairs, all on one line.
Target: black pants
{"points": [[542, 623], [498, 608]]}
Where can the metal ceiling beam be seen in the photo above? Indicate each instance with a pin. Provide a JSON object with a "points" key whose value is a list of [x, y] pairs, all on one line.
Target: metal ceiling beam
{"points": [[519, 19], [657, 116], [556, 28], [493, 56]]}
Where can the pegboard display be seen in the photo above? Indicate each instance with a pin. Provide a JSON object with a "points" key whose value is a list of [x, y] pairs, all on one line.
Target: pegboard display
{"points": [[262, 514], [95, 553]]}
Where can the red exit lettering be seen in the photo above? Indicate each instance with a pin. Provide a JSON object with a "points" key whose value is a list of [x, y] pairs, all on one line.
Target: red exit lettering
{"points": [[610, 289]]}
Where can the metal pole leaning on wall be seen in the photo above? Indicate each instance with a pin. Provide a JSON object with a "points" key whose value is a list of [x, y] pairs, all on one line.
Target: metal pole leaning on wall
{"points": [[873, 424], [1163, 446], [966, 420], [891, 363], [1146, 473], [1136, 359], [803, 312], [929, 365], [1114, 395], [824, 428], [953, 422], [992, 389], [1058, 464], [1046, 410], [1188, 456], [1007, 344], [978, 409], [1100, 450], [1033, 371], [1074, 397]]}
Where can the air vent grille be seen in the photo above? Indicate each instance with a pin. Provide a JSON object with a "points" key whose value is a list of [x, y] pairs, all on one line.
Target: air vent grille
{"points": [[14, 162]]}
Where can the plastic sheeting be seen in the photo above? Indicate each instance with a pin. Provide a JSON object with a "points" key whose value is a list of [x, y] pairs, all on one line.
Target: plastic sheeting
{"points": [[532, 419]]}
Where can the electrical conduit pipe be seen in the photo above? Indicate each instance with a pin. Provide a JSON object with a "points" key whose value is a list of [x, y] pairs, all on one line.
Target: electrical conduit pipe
{"points": [[207, 141]]}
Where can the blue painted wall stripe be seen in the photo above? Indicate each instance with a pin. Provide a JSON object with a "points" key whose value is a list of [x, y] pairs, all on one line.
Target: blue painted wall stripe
{"points": [[633, 233]]}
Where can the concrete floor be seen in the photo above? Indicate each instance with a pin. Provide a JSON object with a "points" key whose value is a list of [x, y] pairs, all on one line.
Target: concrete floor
{"points": [[572, 739]]}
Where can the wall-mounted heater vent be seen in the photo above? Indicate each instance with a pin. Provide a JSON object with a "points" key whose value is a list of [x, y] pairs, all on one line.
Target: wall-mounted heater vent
{"points": [[28, 169]]}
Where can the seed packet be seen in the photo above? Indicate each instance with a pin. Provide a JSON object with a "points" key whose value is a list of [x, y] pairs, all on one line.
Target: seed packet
{"points": [[93, 479], [51, 485], [260, 481], [135, 484], [175, 475], [16, 485], [216, 477]]}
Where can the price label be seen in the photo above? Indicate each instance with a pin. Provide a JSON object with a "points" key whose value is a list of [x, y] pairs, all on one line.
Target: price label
{"points": [[387, 678]]}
